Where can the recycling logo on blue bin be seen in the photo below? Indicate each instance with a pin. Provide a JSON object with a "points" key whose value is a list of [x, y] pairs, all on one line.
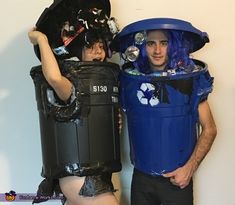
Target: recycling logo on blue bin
{"points": [[146, 94]]}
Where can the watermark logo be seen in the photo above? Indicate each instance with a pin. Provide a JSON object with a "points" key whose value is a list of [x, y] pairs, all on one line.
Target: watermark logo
{"points": [[10, 196], [27, 197]]}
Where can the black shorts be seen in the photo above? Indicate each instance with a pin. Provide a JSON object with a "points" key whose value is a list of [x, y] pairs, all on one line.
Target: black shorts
{"points": [[97, 184], [151, 190]]}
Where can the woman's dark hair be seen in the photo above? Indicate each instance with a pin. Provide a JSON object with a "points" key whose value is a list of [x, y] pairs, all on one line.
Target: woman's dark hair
{"points": [[86, 39]]}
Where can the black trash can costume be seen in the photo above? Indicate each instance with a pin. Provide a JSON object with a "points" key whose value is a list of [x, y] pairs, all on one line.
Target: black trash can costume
{"points": [[80, 137]]}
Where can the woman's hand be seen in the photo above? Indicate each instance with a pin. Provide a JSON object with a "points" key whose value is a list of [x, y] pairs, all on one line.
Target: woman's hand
{"points": [[120, 123], [36, 36]]}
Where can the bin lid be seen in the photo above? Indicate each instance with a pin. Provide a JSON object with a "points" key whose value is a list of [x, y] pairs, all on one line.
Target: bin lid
{"points": [[192, 34], [52, 18]]}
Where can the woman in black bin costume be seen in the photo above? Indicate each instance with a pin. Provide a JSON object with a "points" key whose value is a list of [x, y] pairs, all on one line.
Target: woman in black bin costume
{"points": [[82, 37]]}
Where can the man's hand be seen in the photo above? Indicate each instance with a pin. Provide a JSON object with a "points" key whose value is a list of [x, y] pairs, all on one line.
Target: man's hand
{"points": [[182, 176]]}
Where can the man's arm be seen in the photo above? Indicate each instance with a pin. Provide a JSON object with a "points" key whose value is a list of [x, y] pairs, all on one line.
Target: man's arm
{"points": [[181, 176]]}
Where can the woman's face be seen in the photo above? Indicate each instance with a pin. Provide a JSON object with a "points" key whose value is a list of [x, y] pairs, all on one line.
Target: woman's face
{"points": [[94, 53]]}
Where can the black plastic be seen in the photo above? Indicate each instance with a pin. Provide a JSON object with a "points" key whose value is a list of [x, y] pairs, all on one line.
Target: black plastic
{"points": [[86, 143], [52, 18]]}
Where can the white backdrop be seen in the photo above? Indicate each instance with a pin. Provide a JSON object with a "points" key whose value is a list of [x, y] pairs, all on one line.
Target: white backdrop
{"points": [[20, 153]]}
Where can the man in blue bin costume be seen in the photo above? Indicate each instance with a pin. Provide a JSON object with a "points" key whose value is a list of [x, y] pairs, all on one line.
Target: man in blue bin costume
{"points": [[164, 95]]}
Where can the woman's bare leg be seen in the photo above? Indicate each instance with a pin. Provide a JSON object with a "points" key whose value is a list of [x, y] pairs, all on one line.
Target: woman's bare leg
{"points": [[71, 186]]}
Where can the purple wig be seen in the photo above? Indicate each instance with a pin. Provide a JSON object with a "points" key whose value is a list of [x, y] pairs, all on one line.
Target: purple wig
{"points": [[178, 52]]}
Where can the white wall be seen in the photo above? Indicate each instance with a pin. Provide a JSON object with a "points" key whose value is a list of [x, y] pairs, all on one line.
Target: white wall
{"points": [[20, 156]]}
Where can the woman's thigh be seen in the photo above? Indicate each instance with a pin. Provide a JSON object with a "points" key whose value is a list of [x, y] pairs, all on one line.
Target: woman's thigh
{"points": [[71, 186]]}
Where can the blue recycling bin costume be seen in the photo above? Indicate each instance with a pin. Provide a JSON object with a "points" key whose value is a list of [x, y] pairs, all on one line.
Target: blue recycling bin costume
{"points": [[162, 107]]}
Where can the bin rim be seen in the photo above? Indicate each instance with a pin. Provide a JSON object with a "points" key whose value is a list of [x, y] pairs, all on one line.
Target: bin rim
{"points": [[192, 34]]}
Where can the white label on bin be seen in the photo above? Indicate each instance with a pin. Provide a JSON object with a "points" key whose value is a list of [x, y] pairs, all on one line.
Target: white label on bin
{"points": [[99, 88]]}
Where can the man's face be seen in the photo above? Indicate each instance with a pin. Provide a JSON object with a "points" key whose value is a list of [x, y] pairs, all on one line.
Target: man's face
{"points": [[156, 47]]}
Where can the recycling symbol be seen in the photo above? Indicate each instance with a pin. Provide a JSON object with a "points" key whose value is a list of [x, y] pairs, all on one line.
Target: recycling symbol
{"points": [[146, 94]]}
